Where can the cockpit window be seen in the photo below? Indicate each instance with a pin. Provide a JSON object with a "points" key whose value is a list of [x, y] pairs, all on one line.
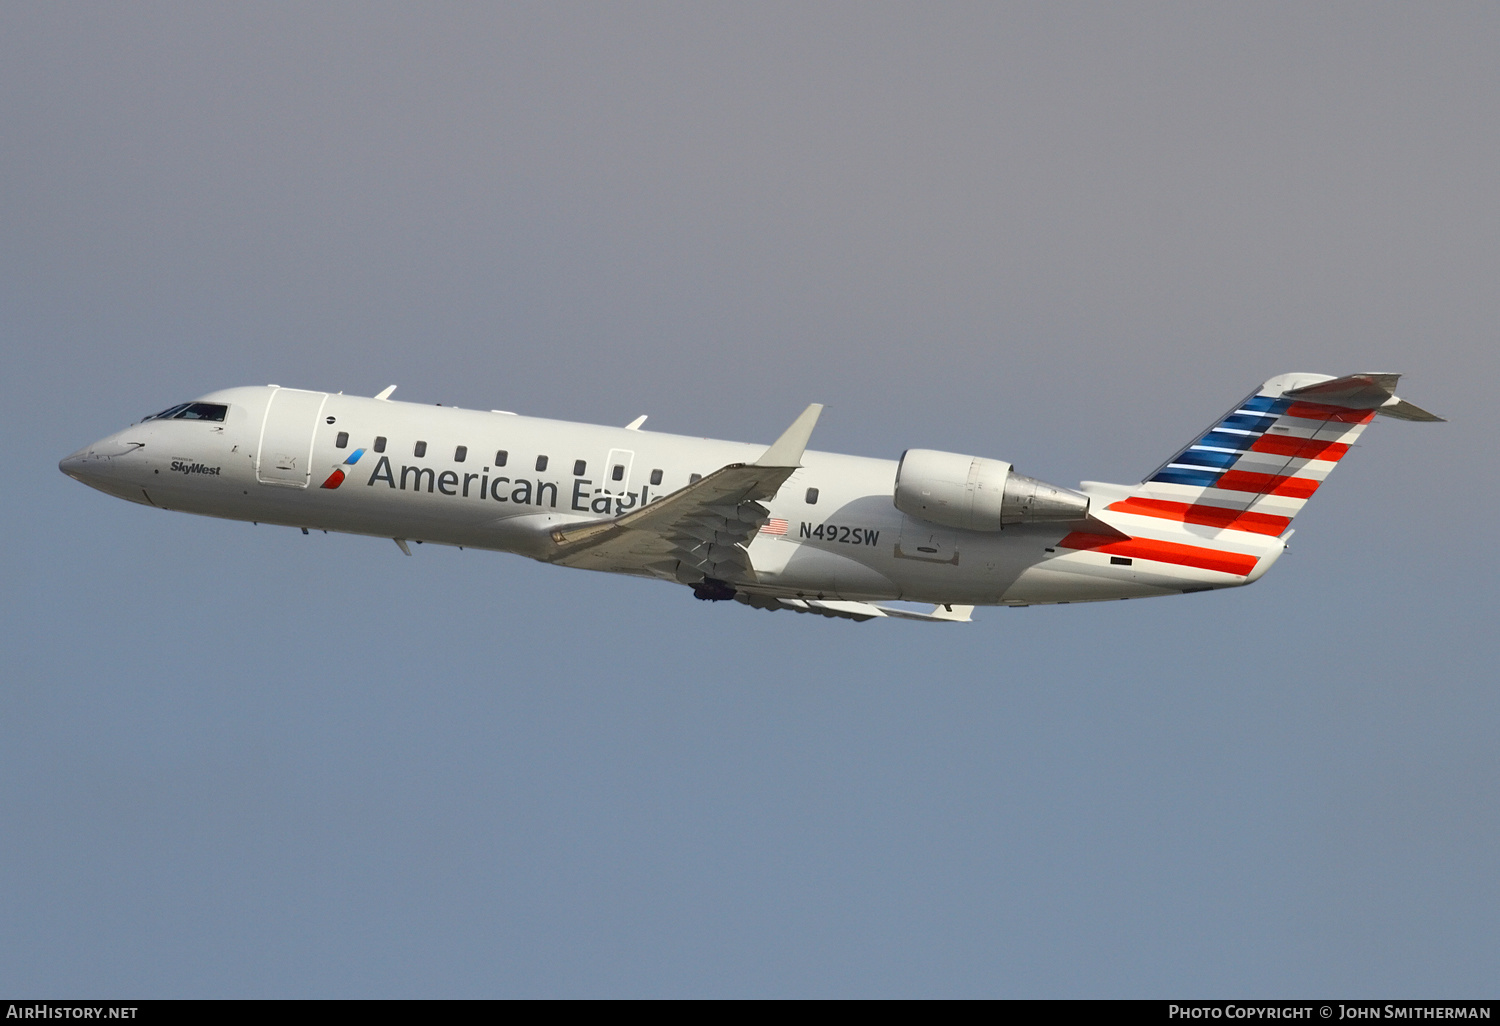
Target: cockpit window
{"points": [[192, 411]]}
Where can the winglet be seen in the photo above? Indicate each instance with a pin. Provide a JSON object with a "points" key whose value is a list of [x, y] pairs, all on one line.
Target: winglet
{"points": [[787, 450], [385, 393]]}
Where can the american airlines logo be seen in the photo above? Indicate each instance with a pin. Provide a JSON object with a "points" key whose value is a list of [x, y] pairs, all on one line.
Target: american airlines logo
{"points": [[337, 477]]}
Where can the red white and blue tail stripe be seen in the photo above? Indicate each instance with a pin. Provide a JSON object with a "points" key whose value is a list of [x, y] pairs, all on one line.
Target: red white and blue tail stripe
{"points": [[1254, 469], [1224, 504]]}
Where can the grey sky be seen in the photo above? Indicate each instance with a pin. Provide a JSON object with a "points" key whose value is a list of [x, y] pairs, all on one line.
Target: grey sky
{"points": [[237, 761]]}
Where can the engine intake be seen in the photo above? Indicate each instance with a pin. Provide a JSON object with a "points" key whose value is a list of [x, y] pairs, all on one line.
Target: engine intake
{"points": [[975, 494]]}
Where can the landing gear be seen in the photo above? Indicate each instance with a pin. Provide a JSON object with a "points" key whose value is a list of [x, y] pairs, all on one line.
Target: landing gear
{"points": [[710, 590]]}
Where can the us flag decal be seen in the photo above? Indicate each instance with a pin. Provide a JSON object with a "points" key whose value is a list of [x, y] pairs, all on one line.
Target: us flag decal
{"points": [[774, 526]]}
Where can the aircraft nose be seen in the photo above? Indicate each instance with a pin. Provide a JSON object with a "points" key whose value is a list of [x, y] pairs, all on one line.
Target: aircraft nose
{"points": [[71, 464], [93, 463]]}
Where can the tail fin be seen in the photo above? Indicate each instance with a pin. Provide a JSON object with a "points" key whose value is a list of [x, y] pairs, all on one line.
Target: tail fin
{"points": [[1257, 466], [1237, 486]]}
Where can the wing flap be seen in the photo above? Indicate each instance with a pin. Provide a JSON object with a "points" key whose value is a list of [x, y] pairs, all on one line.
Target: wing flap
{"points": [[704, 528], [697, 532], [859, 611], [700, 531]]}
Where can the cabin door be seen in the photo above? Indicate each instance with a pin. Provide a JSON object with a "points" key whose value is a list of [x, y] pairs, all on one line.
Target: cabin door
{"points": [[284, 458]]}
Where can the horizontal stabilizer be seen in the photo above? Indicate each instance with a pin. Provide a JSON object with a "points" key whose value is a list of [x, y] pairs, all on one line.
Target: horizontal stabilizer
{"points": [[1355, 391], [1403, 410], [1363, 392]]}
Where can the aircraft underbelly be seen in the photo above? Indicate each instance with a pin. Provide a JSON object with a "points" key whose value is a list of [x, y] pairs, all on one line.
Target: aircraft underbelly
{"points": [[820, 572], [1043, 584]]}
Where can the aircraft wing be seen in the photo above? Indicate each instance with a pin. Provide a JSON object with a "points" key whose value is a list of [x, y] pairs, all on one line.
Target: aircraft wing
{"points": [[855, 610], [697, 532]]}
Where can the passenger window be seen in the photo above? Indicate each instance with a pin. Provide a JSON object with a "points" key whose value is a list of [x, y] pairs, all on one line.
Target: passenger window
{"points": [[380, 443], [420, 449], [541, 463], [342, 441], [812, 496], [618, 474], [460, 454], [501, 457], [694, 478], [579, 466], [656, 477]]}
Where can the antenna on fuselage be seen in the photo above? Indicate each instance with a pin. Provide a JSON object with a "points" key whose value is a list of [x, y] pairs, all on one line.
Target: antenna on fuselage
{"points": [[386, 392]]}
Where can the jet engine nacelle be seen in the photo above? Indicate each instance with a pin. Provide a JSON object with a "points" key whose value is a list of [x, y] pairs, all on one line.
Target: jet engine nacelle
{"points": [[975, 494]]}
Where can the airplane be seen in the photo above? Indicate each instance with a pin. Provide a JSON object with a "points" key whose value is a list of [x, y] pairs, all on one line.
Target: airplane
{"points": [[776, 528]]}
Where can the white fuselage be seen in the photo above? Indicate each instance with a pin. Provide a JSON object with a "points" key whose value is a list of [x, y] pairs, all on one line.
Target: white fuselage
{"points": [[271, 462]]}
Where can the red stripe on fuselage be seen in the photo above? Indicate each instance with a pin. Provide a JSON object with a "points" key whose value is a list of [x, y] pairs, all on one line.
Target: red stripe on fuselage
{"points": [[1208, 516], [1164, 552], [334, 480], [1266, 484]]}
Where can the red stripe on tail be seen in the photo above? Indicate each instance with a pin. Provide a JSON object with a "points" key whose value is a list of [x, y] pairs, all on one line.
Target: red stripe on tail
{"points": [[1262, 484], [1300, 448], [1208, 516], [1164, 552]]}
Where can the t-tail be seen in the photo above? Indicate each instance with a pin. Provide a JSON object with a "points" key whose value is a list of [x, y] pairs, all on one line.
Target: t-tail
{"points": [[1219, 512]]}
